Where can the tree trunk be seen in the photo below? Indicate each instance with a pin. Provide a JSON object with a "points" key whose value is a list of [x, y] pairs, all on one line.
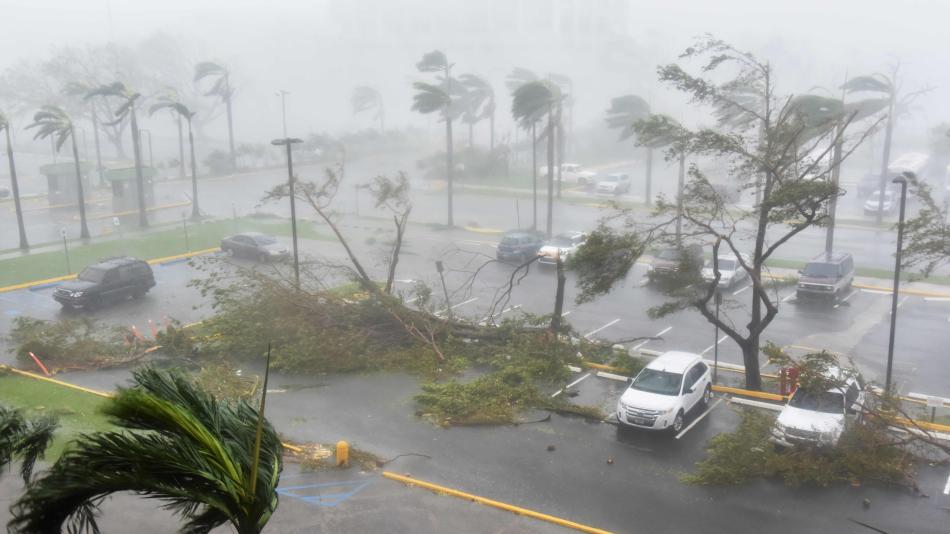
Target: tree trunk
{"points": [[449, 165], [649, 185], [471, 133], [534, 175], [491, 131], [195, 211], [681, 179], [139, 180], [14, 184], [885, 160], [560, 149], [833, 203], [227, 103], [750, 358], [80, 197], [558, 295], [181, 150], [95, 137], [550, 218]]}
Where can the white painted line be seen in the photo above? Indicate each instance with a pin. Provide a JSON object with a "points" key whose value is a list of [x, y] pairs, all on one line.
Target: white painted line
{"points": [[592, 332], [574, 369], [937, 299], [569, 386], [789, 297], [473, 299], [946, 489], [900, 303], [734, 293], [665, 330], [876, 291], [711, 347], [413, 299], [845, 299], [644, 281], [484, 321], [406, 281], [698, 419], [642, 343], [565, 314], [612, 376]]}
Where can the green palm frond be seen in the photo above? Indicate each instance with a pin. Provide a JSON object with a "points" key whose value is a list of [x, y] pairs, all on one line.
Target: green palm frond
{"points": [[532, 100], [170, 104], [875, 83], [429, 98], [518, 77], [177, 445], [479, 97], [658, 130], [208, 68], [24, 439], [624, 111], [52, 121], [221, 87], [863, 109], [434, 61], [116, 89]]}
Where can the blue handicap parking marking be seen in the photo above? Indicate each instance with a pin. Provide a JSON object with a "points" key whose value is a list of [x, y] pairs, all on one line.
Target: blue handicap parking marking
{"points": [[337, 492]]}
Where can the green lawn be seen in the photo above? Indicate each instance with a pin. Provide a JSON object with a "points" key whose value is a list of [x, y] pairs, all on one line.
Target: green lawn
{"points": [[157, 244], [76, 411]]}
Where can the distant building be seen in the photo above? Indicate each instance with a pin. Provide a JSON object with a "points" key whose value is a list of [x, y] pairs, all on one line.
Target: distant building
{"points": [[61, 183], [125, 188]]}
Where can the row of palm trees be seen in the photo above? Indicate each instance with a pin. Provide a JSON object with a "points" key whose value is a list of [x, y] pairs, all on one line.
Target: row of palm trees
{"points": [[55, 123]]}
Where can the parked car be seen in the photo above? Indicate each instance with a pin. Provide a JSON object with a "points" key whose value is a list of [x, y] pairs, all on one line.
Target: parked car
{"points": [[4, 191], [109, 280], [565, 244], [889, 202], [572, 173], [828, 276], [818, 418], [255, 245], [669, 260], [614, 184], [731, 271], [518, 245], [664, 391]]}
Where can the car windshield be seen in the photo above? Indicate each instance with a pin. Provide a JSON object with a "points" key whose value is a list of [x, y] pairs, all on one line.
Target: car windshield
{"points": [[725, 264], [661, 382], [825, 402], [264, 240], [510, 241], [821, 270], [92, 274], [560, 241], [612, 178], [668, 254]]}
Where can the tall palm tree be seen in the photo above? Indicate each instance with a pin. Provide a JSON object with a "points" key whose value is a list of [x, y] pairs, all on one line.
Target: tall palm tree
{"points": [[566, 86], [431, 98], [518, 77], [177, 444], [51, 122], [5, 126], [624, 111], [181, 112], [221, 89], [657, 131], [366, 98], [126, 109], [531, 101], [23, 439], [79, 89], [480, 105]]}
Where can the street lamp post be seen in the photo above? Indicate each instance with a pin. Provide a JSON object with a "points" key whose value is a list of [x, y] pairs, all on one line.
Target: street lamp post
{"points": [[288, 142], [902, 180], [283, 107], [150, 160]]}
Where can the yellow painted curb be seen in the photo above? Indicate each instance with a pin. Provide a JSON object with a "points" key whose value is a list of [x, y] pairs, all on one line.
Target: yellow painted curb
{"points": [[494, 504], [54, 381], [602, 367], [750, 393], [184, 256], [915, 292], [926, 425], [478, 230]]}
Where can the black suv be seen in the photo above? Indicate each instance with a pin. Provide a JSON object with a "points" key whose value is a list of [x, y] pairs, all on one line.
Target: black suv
{"points": [[519, 245], [108, 280], [828, 276]]}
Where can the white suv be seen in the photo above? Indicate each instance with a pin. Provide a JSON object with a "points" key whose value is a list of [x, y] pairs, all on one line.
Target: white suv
{"points": [[819, 419], [665, 391]]}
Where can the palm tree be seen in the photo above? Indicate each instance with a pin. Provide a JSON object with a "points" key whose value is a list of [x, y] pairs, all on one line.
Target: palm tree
{"points": [[655, 131], [439, 98], [518, 77], [529, 103], [177, 444], [128, 97], [80, 89], [55, 124], [480, 105], [24, 439], [623, 113], [567, 90], [221, 89], [180, 111], [5, 126], [365, 98]]}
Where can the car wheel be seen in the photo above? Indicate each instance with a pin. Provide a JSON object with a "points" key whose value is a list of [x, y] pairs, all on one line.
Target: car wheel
{"points": [[677, 422], [707, 395]]}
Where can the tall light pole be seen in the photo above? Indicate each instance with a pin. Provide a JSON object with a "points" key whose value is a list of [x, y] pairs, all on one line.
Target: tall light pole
{"points": [[289, 142], [902, 180], [143, 131], [283, 107]]}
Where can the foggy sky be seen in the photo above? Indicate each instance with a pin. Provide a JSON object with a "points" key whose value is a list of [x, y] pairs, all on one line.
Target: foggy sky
{"points": [[320, 49]]}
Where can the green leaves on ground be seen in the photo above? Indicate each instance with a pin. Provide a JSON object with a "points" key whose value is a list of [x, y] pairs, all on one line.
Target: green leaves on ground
{"points": [[69, 343]]}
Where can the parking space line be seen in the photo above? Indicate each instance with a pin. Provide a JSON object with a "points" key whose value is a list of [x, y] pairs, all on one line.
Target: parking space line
{"points": [[789, 297], [734, 293], [698, 419], [484, 321], [413, 299], [946, 489], [642, 343], [846, 298], [592, 332], [900, 302], [876, 291], [711, 347], [644, 281], [565, 314], [937, 299], [569, 386], [440, 312]]}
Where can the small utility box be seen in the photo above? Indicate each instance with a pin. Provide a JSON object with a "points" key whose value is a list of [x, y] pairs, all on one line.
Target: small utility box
{"points": [[125, 188], [61, 183]]}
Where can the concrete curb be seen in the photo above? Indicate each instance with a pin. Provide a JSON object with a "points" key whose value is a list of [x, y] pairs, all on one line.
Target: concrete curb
{"points": [[442, 490], [902, 291], [478, 230]]}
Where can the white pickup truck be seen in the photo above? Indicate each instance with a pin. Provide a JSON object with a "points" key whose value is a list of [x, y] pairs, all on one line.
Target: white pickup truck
{"points": [[818, 419]]}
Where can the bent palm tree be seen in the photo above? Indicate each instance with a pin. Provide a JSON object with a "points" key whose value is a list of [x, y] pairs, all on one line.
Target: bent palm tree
{"points": [[79, 89], [52, 122], [127, 109], [181, 111], [438, 98], [480, 100], [657, 131], [518, 77], [24, 439], [623, 113], [14, 184], [178, 445], [530, 102], [221, 89], [365, 98]]}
